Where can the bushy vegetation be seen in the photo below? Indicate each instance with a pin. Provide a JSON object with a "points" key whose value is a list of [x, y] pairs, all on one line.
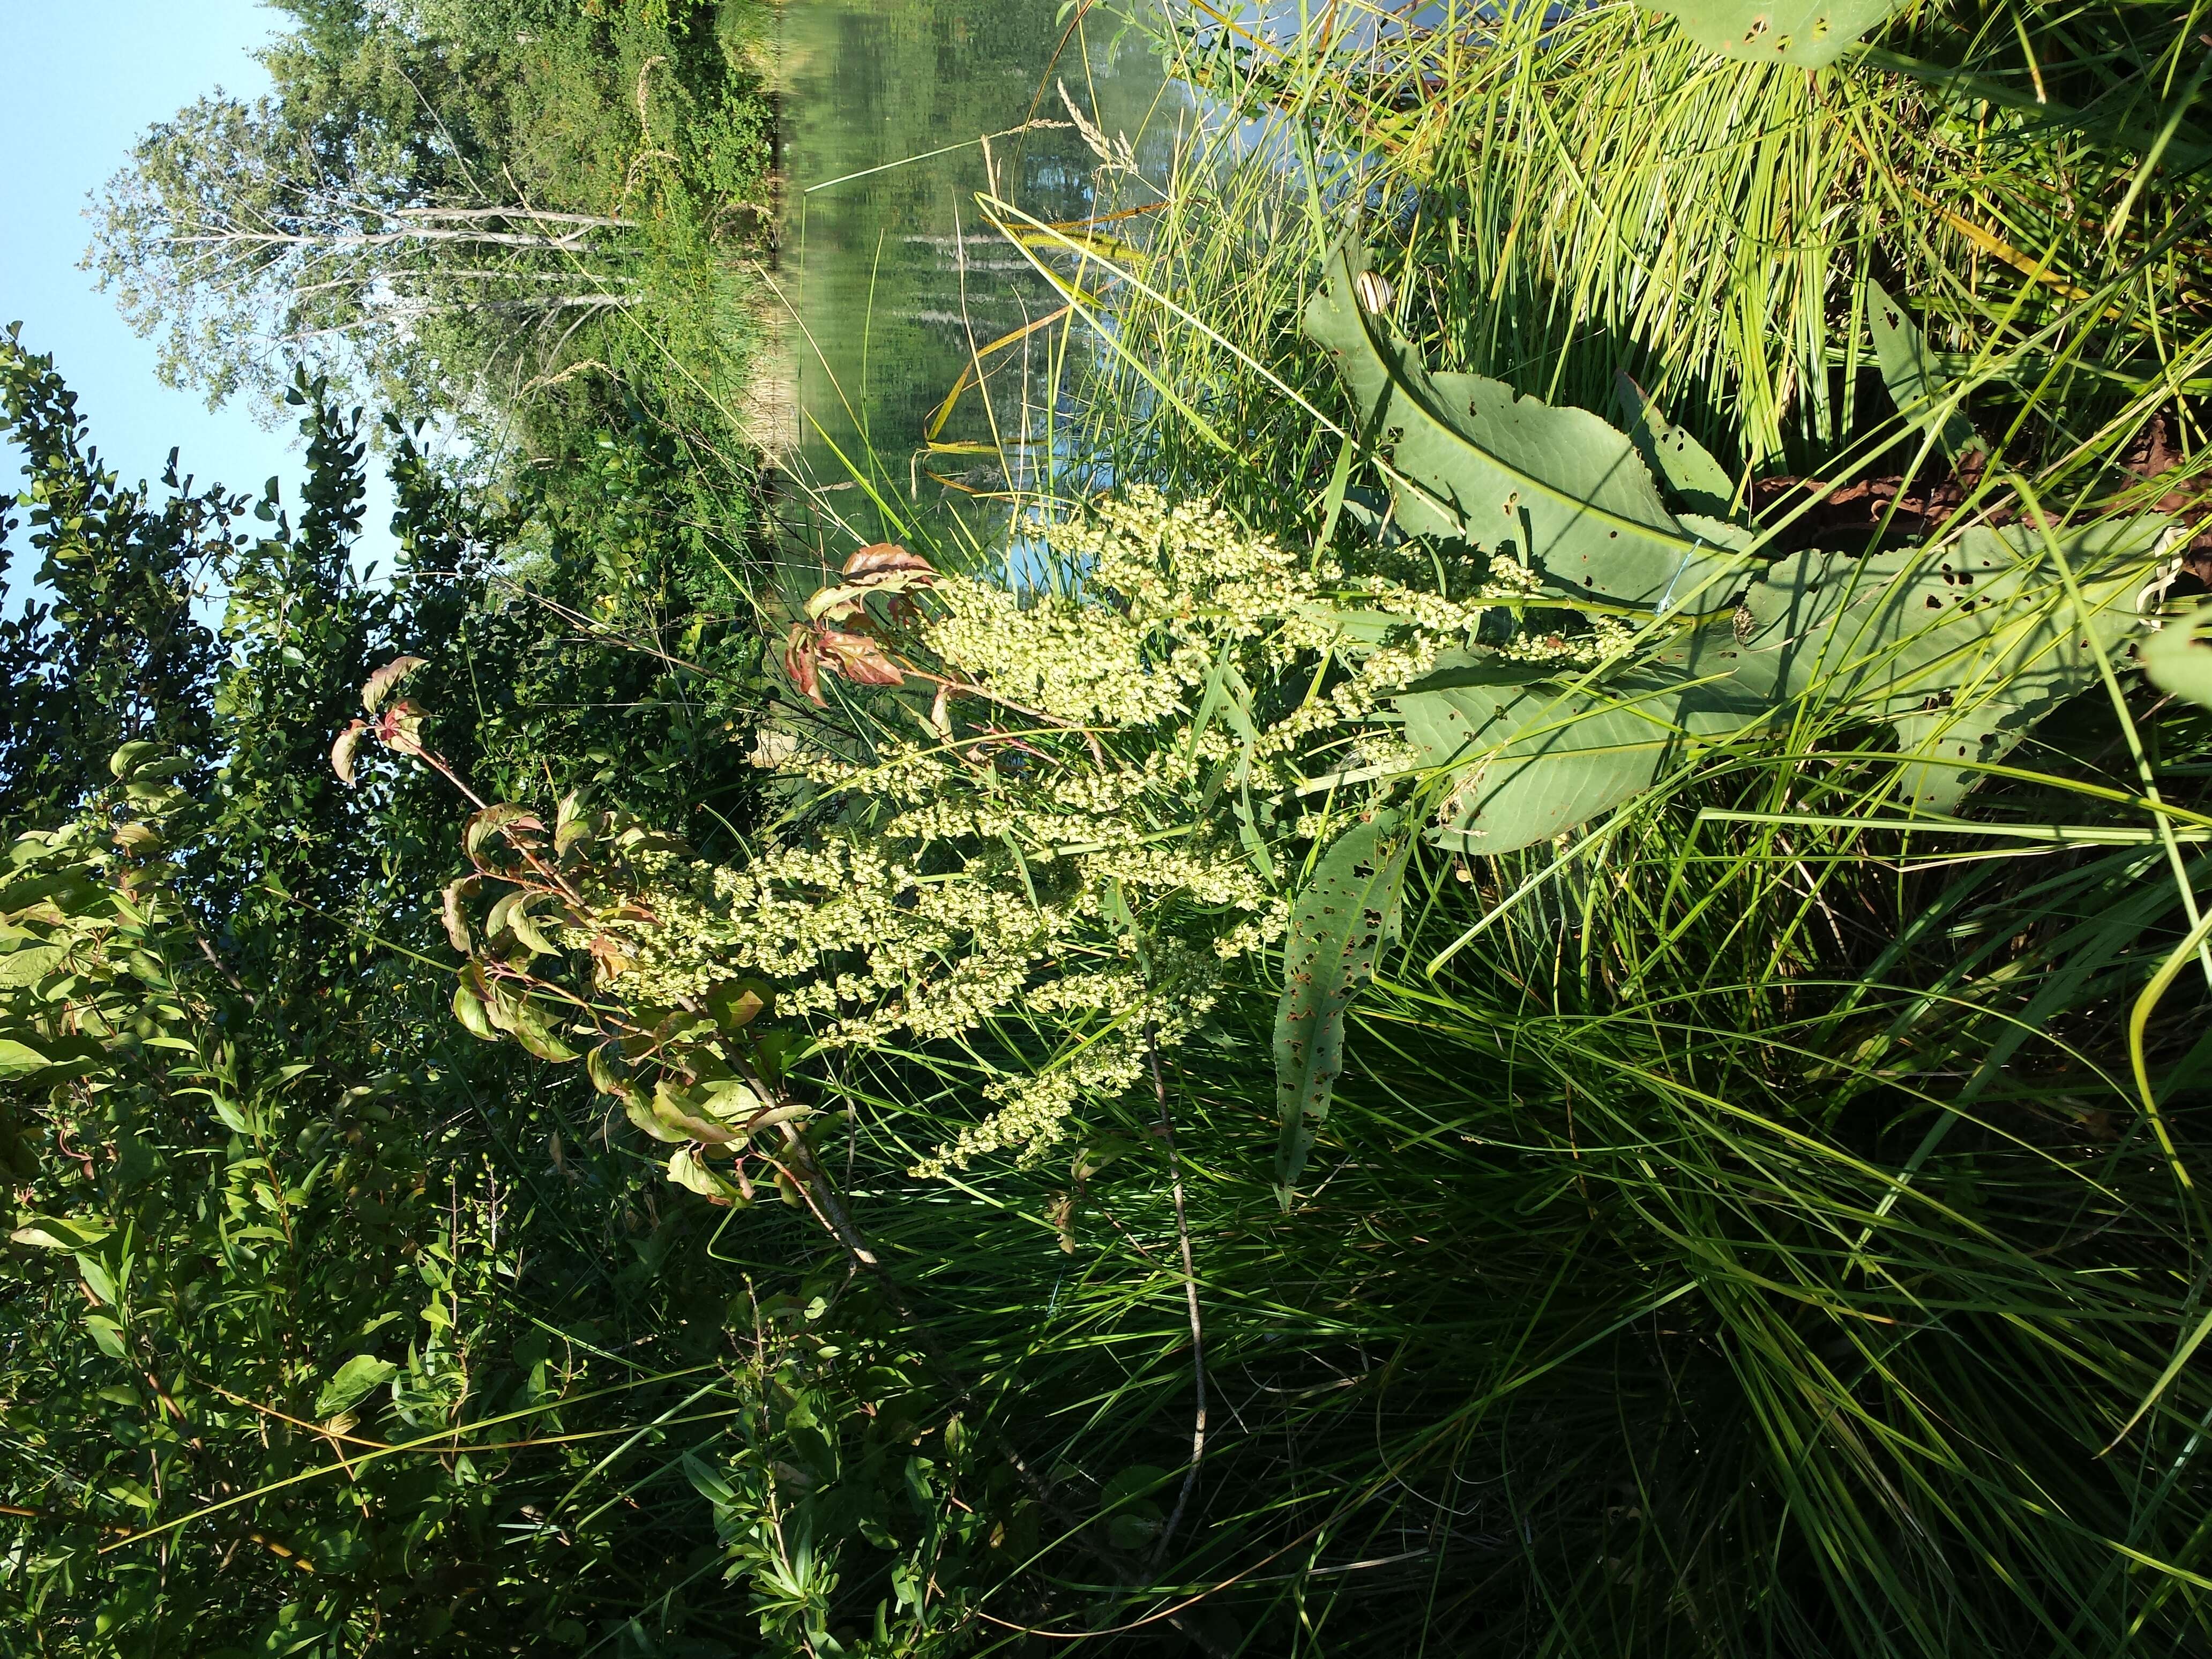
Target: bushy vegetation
{"points": [[1538, 991]]}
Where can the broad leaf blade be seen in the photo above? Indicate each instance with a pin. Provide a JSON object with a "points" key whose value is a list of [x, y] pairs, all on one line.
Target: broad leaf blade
{"points": [[1909, 370], [1532, 761], [1475, 463], [1960, 648], [2178, 657], [1805, 33], [1337, 928], [1690, 472], [352, 1382]]}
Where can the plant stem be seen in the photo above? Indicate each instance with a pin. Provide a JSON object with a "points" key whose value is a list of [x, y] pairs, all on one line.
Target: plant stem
{"points": [[1190, 1297]]}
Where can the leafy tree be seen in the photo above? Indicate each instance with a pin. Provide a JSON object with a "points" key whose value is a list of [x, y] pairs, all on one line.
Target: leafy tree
{"points": [[107, 646], [288, 1359], [309, 1289], [440, 201]]}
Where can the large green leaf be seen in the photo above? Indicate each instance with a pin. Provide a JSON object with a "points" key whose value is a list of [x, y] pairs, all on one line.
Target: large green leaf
{"points": [[1806, 33], [1529, 762], [1958, 648], [1470, 461], [1337, 927], [1701, 482], [1908, 369], [351, 1384], [2178, 657], [48, 1060]]}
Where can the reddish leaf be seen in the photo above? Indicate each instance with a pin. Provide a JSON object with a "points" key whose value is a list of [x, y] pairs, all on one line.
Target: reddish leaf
{"points": [[342, 752], [859, 659], [381, 684], [885, 567], [499, 816], [608, 959], [884, 558], [800, 660], [399, 728]]}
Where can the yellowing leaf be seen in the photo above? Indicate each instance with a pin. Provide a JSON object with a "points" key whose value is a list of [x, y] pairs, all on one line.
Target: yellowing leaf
{"points": [[380, 685], [345, 750]]}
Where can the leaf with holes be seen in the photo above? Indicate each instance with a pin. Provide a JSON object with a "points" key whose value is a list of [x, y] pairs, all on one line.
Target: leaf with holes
{"points": [[1804, 33], [1959, 649], [1689, 469], [1471, 462], [1337, 928], [1908, 369]]}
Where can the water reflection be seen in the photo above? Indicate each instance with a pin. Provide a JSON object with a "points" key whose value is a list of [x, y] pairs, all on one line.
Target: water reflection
{"points": [[901, 113]]}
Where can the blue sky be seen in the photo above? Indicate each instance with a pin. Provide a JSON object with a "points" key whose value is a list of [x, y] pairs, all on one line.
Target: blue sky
{"points": [[86, 77]]}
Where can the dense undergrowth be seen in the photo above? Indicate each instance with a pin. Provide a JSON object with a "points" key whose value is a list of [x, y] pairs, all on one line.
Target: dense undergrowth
{"points": [[1566, 1026]]}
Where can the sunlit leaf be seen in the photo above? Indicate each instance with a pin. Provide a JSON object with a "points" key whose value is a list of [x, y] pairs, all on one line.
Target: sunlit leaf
{"points": [[499, 817], [1336, 929], [345, 750], [449, 901], [379, 686], [801, 660], [1803, 33], [469, 1008], [858, 657], [61, 1232], [1471, 461], [2178, 658], [352, 1383]]}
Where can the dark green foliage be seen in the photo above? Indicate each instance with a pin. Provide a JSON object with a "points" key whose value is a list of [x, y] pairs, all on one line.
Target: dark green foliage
{"points": [[228, 1071], [102, 645], [605, 635], [263, 1251]]}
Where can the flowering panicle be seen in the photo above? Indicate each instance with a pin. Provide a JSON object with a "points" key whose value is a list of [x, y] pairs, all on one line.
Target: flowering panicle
{"points": [[1053, 865]]}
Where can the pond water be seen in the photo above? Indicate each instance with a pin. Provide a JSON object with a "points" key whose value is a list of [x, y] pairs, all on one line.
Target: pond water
{"points": [[900, 113]]}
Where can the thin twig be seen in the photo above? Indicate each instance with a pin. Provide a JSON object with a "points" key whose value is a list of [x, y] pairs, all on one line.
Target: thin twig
{"points": [[1190, 1296]]}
